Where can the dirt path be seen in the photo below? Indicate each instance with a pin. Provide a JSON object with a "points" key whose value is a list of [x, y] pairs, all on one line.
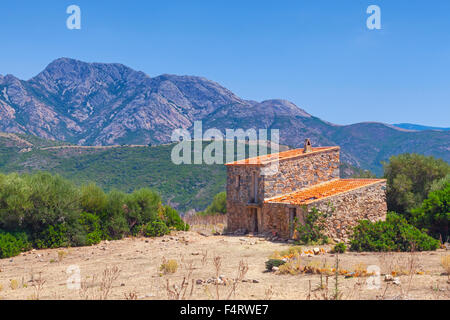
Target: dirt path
{"points": [[139, 259]]}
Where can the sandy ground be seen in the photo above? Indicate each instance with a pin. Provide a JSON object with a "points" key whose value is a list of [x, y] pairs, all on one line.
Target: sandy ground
{"points": [[44, 274]]}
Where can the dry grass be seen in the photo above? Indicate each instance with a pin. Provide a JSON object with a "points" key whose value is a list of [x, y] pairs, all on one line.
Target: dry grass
{"points": [[61, 255], [181, 292], [14, 284], [212, 224], [445, 263], [168, 266], [91, 289], [140, 278], [38, 286]]}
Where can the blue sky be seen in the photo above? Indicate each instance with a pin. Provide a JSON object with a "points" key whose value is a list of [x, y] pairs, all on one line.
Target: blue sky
{"points": [[318, 54]]}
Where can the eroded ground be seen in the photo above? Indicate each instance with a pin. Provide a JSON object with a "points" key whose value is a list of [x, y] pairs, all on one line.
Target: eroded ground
{"points": [[44, 274]]}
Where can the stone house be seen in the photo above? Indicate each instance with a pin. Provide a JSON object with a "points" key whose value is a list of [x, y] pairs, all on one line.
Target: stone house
{"points": [[304, 178]]}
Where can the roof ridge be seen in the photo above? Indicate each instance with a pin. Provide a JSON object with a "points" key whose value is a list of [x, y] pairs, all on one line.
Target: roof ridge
{"points": [[283, 155]]}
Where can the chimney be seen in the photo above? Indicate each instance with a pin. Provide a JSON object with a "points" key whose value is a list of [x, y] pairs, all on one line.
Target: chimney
{"points": [[308, 147]]}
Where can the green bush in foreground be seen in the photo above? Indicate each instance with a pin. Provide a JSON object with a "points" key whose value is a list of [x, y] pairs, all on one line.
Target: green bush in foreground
{"points": [[274, 263], [52, 212], [340, 248], [155, 228], [434, 214], [11, 244], [312, 231], [394, 234]]}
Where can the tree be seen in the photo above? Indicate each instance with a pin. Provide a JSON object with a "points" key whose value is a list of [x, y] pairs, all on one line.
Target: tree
{"points": [[218, 205], [409, 180], [434, 214]]}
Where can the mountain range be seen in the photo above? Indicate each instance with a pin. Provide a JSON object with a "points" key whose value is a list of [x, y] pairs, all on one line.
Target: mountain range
{"points": [[106, 104], [418, 127]]}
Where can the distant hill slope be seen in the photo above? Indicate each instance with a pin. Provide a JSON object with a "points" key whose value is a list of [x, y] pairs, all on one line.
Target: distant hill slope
{"points": [[105, 104], [418, 127], [120, 167]]}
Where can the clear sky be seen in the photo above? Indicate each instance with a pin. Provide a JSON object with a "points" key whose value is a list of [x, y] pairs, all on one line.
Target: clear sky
{"points": [[318, 54]]}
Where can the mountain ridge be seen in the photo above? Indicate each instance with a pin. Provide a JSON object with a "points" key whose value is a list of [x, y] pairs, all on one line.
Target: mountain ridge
{"points": [[110, 103]]}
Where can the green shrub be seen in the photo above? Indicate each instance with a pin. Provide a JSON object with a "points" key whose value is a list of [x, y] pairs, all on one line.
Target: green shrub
{"points": [[91, 226], [114, 220], [340, 248], [312, 230], [274, 263], [11, 244], [434, 214], [155, 228], [394, 234], [410, 178], [218, 205], [56, 213], [140, 208], [173, 220], [93, 199], [53, 237]]}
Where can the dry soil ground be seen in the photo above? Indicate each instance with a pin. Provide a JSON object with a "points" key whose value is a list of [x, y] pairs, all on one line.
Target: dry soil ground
{"points": [[44, 273]]}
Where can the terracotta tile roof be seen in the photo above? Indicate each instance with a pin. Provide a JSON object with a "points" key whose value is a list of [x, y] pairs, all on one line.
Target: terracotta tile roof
{"points": [[281, 156], [322, 190]]}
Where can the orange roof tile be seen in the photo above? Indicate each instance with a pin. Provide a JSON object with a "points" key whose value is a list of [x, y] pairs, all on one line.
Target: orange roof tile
{"points": [[322, 190], [281, 156]]}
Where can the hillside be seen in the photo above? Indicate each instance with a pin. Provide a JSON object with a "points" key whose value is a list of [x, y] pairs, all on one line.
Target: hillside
{"points": [[418, 127], [106, 104], [124, 168]]}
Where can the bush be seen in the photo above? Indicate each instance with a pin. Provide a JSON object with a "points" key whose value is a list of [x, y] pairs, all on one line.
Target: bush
{"points": [[173, 220], [218, 205], [56, 213], [155, 228], [140, 208], [11, 244], [169, 266], [434, 214], [93, 199], [340, 248], [114, 221], [312, 230], [410, 178], [394, 234], [91, 226], [274, 263], [53, 237]]}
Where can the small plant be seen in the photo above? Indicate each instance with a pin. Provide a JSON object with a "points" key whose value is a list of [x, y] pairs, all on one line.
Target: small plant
{"points": [[110, 274], [340, 248], [38, 286], [292, 267], [360, 269], [274, 263], [131, 295], [61, 255], [445, 263], [337, 292], [168, 266], [288, 253], [14, 284]]}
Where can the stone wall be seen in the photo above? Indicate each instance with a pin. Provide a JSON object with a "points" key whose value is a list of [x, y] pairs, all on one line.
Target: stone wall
{"points": [[366, 203], [276, 219], [240, 192], [303, 171]]}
